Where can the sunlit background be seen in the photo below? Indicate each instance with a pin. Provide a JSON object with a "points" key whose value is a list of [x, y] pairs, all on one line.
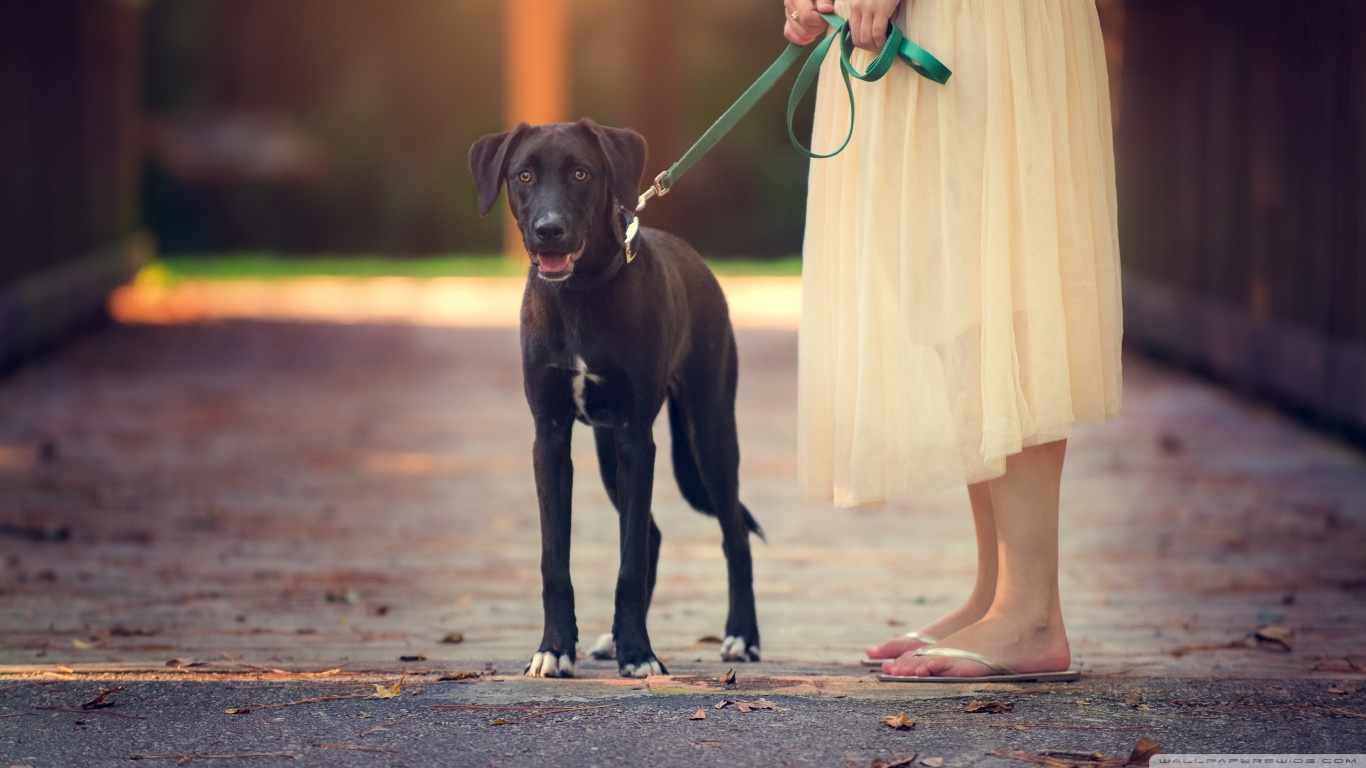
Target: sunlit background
{"points": [[337, 130]]}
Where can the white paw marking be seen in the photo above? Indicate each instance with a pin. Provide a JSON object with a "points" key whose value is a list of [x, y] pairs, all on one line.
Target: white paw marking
{"points": [[734, 648], [605, 647], [580, 385], [547, 664], [643, 669]]}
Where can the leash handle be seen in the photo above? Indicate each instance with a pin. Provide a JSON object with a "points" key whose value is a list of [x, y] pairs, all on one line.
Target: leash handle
{"points": [[896, 47]]}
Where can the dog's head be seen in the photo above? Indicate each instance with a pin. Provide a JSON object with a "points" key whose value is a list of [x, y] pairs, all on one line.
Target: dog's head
{"points": [[564, 182]]}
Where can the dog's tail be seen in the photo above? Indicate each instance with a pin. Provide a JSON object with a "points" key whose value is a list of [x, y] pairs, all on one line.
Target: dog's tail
{"points": [[689, 475]]}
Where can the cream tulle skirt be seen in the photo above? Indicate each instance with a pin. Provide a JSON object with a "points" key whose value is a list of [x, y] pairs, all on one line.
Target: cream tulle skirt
{"points": [[960, 270]]}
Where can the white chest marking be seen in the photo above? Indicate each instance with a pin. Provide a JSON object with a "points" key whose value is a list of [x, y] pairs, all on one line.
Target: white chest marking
{"points": [[580, 383]]}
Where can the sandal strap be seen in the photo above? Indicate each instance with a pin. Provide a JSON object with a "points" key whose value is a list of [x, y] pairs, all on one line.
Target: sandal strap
{"points": [[955, 653], [922, 637]]}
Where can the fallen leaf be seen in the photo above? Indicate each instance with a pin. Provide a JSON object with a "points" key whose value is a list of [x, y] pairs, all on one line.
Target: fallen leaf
{"points": [[350, 596], [457, 676], [419, 657], [84, 644], [700, 714], [501, 721], [1083, 702], [933, 762], [453, 637], [709, 640], [99, 701], [1143, 751], [1343, 689], [1275, 634], [990, 707], [389, 692], [746, 706], [1133, 698], [729, 677], [903, 763], [898, 722], [237, 710], [722, 704]]}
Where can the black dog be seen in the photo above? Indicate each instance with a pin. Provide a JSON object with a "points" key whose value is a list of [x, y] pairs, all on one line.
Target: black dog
{"points": [[607, 342]]}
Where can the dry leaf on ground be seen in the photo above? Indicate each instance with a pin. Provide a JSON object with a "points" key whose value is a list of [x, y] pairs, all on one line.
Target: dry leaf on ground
{"points": [[1275, 635], [729, 677], [746, 706], [933, 762], [1143, 751], [99, 701], [903, 763], [453, 676], [1343, 688], [700, 714], [388, 692], [722, 704], [989, 707], [453, 637], [898, 722], [419, 657]]}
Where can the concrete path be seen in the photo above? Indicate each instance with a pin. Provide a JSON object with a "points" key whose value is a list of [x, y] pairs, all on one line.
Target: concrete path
{"points": [[211, 501]]}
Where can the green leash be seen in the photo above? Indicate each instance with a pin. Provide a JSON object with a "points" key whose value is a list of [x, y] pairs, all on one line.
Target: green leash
{"points": [[896, 47]]}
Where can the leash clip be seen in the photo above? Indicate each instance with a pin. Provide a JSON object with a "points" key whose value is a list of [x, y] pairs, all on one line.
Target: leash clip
{"points": [[629, 230], [658, 189]]}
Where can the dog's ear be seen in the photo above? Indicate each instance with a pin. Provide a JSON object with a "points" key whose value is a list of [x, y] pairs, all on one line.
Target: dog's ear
{"points": [[624, 150], [489, 162]]}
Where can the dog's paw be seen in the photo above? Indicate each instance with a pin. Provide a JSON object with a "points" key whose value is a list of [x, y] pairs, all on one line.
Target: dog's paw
{"points": [[650, 666], [734, 648], [604, 648], [550, 664]]}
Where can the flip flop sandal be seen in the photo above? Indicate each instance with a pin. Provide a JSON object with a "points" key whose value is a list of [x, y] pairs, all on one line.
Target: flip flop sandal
{"points": [[921, 636], [1004, 674]]}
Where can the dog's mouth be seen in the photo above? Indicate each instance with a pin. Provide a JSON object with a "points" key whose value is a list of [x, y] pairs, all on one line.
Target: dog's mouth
{"points": [[556, 265]]}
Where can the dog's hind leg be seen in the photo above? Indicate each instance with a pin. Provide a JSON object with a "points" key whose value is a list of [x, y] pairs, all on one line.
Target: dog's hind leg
{"points": [[605, 646], [705, 426]]}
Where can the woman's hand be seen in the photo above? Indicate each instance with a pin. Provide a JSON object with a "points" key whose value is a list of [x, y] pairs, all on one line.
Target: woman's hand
{"points": [[868, 22], [804, 22]]}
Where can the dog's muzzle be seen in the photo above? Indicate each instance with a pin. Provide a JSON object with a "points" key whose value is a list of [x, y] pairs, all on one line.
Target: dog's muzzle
{"points": [[555, 265]]}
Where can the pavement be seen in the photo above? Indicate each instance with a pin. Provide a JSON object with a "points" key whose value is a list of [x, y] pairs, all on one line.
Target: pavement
{"points": [[219, 512]]}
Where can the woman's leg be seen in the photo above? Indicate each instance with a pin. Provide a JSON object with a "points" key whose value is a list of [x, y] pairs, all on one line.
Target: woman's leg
{"points": [[983, 589], [1023, 629]]}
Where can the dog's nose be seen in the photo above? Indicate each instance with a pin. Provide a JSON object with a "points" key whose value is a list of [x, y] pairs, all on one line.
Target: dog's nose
{"points": [[549, 228]]}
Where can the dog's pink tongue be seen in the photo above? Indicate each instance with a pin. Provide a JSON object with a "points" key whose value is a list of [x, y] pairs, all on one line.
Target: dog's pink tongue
{"points": [[553, 262]]}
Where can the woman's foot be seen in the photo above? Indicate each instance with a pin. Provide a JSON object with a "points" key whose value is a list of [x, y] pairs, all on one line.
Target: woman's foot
{"points": [[945, 625], [1023, 645]]}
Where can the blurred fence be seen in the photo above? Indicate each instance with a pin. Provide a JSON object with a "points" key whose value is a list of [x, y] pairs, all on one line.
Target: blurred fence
{"points": [[70, 162], [1241, 154], [364, 110]]}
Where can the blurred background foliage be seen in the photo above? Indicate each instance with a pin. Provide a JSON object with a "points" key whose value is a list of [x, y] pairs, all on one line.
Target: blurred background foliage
{"points": [[342, 126]]}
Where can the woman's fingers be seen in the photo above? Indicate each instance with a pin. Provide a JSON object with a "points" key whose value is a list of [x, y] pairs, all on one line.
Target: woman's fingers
{"points": [[803, 24], [868, 22]]}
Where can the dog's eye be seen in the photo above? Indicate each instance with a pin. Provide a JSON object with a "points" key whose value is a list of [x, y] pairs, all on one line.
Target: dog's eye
{"points": [[580, 175], [524, 177]]}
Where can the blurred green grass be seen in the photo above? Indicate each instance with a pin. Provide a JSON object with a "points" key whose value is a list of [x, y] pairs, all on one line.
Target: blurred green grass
{"points": [[173, 268]]}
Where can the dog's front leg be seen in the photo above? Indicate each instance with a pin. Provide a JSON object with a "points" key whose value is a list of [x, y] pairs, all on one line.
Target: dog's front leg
{"points": [[554, 484], [635, 485]]}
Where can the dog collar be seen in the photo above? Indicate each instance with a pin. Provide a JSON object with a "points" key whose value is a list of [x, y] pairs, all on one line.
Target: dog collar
{"points": [[626, 226]]}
